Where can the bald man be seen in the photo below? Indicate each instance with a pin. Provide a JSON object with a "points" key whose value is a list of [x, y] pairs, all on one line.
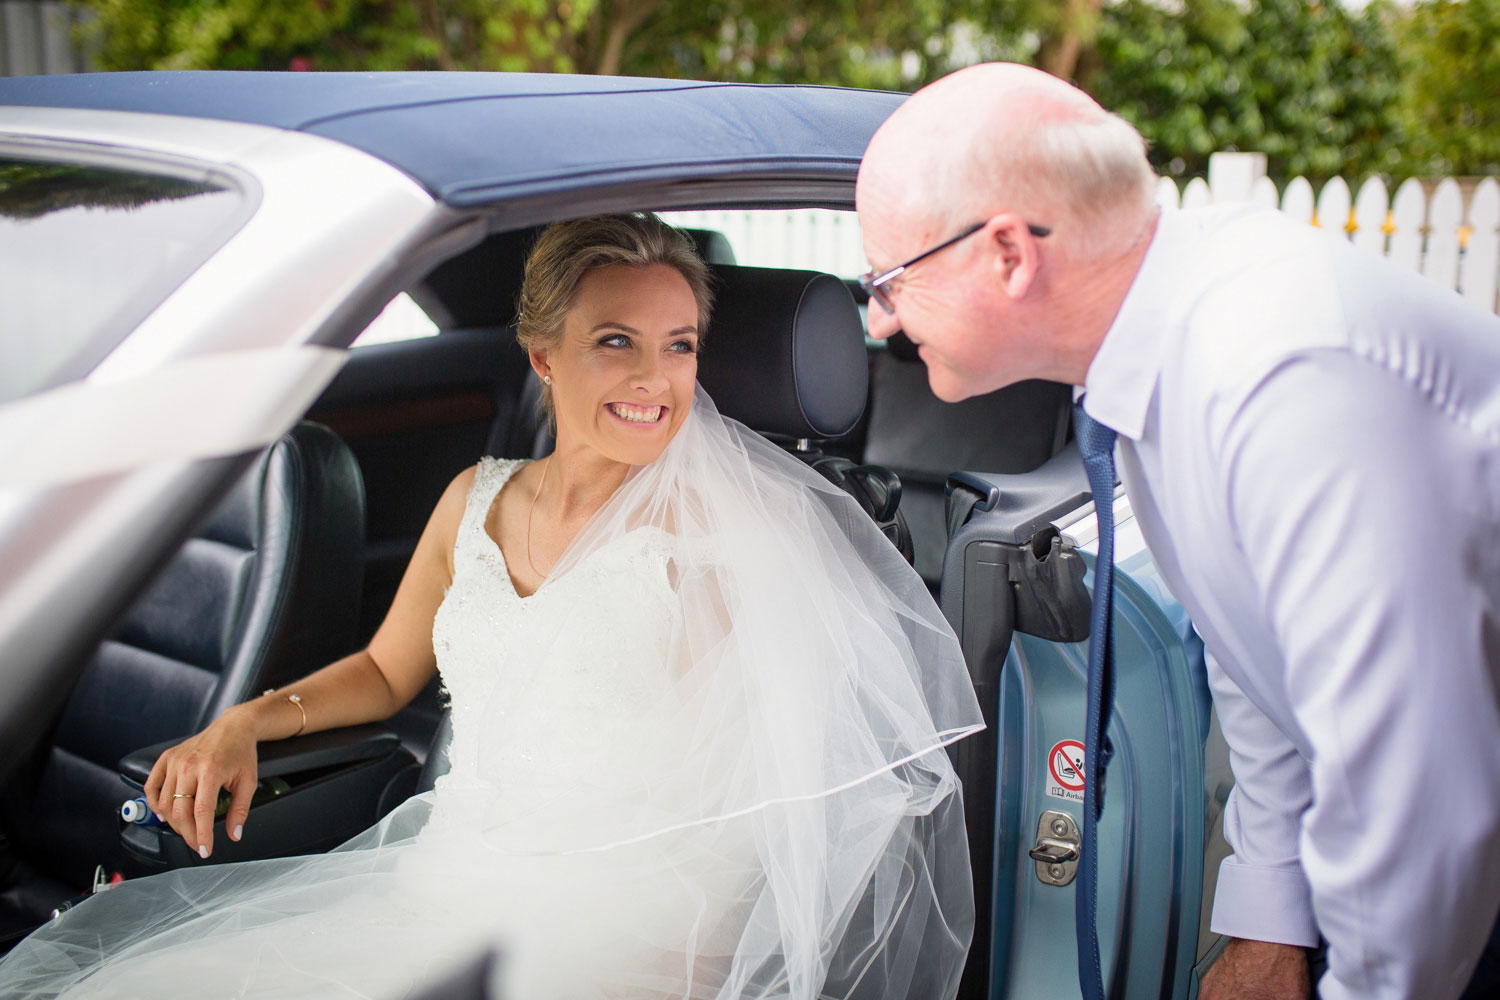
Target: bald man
{"points": [[1310, 438]]}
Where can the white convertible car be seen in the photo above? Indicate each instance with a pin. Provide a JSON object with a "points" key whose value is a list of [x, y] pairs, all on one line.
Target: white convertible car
{"points": [[203, 492]]}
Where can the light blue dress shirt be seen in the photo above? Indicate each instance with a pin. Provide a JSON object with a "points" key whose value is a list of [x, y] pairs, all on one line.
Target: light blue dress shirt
{"points": [[1310, 439]]}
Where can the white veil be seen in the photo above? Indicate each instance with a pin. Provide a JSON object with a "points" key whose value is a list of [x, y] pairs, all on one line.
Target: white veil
{"points": [[784, 823], [799, 752]]}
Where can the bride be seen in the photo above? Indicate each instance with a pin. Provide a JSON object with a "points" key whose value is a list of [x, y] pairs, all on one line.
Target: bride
{"points": [[699, 711]]}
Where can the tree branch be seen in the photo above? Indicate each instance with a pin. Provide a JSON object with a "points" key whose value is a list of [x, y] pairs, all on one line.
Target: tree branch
{"points": [[626, 21]]}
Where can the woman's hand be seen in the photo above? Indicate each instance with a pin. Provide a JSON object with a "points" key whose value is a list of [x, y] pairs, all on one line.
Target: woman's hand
{"points": [[372, 684], [183, 788]]}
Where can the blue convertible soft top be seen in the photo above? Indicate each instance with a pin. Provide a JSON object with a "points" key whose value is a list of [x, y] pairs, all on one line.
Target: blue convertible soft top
{"points": [[471, 138]]}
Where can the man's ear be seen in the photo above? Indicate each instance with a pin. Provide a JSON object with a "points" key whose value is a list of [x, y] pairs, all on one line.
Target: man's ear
{"points": [[1016, 255]]}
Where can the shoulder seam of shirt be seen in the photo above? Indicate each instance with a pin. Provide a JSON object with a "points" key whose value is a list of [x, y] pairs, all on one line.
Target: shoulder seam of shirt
{"points": [[1437, 391]]}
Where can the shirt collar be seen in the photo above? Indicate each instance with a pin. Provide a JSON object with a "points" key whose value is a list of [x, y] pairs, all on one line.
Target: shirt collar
{"points": [[1122, 378]]}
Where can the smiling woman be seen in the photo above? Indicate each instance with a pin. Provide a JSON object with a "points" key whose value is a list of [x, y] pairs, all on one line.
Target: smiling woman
{"points": [[569, 257], [611, 313], [628, 350], [700, 707]]}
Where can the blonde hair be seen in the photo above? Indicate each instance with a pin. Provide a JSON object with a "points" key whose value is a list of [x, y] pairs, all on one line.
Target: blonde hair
{"points": [[566, 251]]}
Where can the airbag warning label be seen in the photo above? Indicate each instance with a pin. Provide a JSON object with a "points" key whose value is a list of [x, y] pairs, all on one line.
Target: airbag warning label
{"points": [[1065, 770]]}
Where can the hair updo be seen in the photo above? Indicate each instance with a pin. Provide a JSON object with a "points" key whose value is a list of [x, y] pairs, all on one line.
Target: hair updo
{"points": [[566, 251]]}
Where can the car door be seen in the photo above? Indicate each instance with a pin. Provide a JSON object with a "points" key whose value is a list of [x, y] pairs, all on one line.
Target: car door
{"points": [[192, 344], [1016, 588]]}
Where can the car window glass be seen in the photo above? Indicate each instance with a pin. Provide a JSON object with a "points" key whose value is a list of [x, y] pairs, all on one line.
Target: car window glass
{"points": [[86, 252], [402, 319]]}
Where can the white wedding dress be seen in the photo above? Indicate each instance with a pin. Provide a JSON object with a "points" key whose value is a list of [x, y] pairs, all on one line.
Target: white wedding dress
{"points": [[673, 772]]}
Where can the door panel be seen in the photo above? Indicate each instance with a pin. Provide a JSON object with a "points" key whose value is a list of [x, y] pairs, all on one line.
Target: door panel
{"points": [[1152, 828]]}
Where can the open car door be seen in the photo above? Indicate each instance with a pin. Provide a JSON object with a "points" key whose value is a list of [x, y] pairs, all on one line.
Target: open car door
{"points": [[1016, 588]]}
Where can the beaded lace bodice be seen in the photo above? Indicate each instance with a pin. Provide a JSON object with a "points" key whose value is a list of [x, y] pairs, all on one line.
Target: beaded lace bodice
{"points": [[538, 685]]}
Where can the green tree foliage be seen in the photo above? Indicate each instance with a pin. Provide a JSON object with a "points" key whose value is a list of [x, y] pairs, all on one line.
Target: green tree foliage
{"points": [[1450, 97], [1319, 88], [220, 34], [870, 43], [862, 43], [1309, 84], [537, 35]]}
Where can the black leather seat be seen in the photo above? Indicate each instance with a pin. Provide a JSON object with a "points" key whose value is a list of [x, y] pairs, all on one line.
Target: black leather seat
{"points": [[923, 439], [266, 592]]}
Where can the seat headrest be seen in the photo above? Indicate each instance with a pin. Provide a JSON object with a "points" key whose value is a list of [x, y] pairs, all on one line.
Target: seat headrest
{"points": [[785, 352], [712, 245]]}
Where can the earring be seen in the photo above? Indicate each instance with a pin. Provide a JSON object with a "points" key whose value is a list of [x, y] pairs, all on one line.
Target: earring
{"points": [[546, 380]]}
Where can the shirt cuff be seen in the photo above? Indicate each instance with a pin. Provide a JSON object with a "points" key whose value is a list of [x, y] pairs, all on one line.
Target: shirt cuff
{"points": [[1264, 904]]}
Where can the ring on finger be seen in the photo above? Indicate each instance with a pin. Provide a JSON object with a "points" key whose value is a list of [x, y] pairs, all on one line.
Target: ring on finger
{"points": [[183, 795]]}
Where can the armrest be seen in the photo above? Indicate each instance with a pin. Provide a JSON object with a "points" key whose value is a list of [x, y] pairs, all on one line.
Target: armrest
{"points": [[336, 784], [294, 755]]}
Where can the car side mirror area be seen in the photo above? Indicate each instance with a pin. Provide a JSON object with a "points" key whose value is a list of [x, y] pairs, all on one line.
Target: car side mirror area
{"points": [[316, 791]]}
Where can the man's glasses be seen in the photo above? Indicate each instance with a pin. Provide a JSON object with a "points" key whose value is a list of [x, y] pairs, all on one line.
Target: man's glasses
{"points": [[875, 284]]}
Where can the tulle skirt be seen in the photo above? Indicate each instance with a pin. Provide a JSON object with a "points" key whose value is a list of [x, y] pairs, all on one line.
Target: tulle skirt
{"points": [[422, 893], [773, 815]]}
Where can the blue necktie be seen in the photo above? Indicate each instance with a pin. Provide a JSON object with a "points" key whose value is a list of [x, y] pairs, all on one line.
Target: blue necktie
{"points": [[1096, 444]]}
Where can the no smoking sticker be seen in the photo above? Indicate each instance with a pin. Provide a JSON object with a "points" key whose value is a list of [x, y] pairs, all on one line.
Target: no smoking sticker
{"points": [[1065, 770]]}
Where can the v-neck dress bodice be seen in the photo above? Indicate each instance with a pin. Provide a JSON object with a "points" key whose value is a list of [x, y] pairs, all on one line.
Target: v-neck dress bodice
{"points": [[541, 685]]}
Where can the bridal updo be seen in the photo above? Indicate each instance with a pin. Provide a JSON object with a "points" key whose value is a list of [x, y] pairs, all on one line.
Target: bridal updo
{"points": [[566, 251]]}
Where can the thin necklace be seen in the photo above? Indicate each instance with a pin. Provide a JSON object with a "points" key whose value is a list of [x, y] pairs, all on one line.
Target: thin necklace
{"points": [[546, 463]]}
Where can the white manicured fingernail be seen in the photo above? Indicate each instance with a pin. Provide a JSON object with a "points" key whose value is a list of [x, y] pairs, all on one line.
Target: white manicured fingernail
{"points": [[203, 851], [237, 831]]}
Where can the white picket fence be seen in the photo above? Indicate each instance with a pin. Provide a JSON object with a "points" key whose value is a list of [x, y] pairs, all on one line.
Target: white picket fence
{"points": [[37, 36], [1429, 227]]}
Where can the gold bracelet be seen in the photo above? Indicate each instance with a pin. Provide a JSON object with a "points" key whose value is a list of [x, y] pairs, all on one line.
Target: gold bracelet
{"points": [[295, 699]]}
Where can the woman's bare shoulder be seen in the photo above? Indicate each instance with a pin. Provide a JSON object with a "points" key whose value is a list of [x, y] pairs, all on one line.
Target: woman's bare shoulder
{"points": [[457, 494], [446, 517], [449, 512]]}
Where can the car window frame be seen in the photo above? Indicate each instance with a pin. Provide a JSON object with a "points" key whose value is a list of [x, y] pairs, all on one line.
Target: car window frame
{"points": [[100, 342]]}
